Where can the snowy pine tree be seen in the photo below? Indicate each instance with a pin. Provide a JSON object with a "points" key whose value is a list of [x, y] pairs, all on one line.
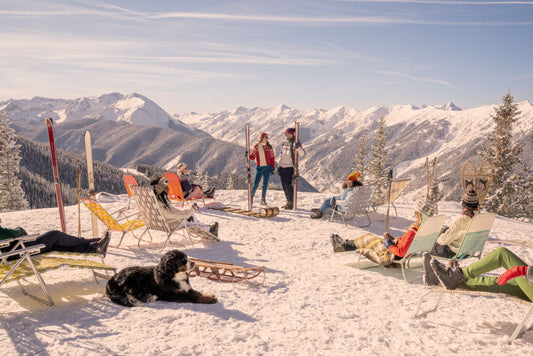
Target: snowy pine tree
{"points": [[377, 174], [509, 183], [361, 157], [230, 185], [11, 193]]}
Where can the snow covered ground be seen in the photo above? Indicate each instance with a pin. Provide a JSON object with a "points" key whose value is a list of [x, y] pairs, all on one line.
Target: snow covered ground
{"points": [[312, 302]]}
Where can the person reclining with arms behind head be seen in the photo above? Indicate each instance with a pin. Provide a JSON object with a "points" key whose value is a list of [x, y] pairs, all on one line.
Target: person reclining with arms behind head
{"points": [[450, 240], [191, 191], [385, 251], [174, 216], [511, 282], [348, 188], [58, 241]]}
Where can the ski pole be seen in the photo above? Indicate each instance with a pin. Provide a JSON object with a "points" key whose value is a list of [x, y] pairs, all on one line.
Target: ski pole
{"points": [[388, 202]]}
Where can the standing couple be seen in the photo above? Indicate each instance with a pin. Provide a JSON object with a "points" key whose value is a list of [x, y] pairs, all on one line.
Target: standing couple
{"points": [[263, 154]]}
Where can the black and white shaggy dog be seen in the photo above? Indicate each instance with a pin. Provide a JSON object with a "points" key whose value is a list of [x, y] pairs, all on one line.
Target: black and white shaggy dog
{"points": [[167, 281]]}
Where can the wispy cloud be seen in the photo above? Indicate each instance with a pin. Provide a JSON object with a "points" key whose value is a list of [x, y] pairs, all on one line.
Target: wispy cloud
{"points": [[328, 20], [416, 79], [437, 2], [108, 10]]}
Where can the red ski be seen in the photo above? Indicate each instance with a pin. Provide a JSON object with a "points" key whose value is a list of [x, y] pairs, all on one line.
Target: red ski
{"points": [[49, 125]]}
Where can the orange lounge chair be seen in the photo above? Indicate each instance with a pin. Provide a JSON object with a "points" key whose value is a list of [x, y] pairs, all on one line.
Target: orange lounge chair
{"points": [[174, 189]]}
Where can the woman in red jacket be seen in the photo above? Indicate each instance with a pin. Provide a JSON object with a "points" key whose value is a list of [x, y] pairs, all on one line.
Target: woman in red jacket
{"points": [[263, 154]]}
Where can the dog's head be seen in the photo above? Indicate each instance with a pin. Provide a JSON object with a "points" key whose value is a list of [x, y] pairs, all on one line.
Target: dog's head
{"points": [[175, 261], [174, 266]]}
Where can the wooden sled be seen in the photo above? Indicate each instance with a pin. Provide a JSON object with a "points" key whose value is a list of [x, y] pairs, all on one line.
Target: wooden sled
{"points": [[225, 272], [263, 213]]}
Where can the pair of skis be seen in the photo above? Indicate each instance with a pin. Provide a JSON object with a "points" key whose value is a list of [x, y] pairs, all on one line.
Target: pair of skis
{"points": [[295, 166], [57, 183]]}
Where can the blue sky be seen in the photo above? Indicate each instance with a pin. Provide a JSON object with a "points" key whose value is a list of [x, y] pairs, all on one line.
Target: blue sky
{"points": [[208, 56]]}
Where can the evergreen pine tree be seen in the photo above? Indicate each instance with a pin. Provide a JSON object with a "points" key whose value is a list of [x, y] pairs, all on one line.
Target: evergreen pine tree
{"points": [[11, 193], [376, 172], [230, 185], [504, 156], [361, 157]]}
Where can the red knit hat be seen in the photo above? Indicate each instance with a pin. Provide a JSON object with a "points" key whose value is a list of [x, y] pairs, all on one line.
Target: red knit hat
{"points": [[291, 130], [263, 134]]}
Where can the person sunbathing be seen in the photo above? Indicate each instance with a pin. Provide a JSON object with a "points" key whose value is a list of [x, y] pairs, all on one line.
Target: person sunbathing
{"points": [[514, 281], [174, 216], [385, 250], [58, 241], [191, 191]]}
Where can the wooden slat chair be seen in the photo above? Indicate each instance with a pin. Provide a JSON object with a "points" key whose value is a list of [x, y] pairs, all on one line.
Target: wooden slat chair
{"points": [[441, 291], [129, 180], [358, 203], [397, 188], [28, 263], [174, 189], [475, 238], [122, 223], [152, 215]]}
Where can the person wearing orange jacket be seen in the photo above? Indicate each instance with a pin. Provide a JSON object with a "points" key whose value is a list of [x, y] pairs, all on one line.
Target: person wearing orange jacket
{"points": [[263, 154], [386, 251]]}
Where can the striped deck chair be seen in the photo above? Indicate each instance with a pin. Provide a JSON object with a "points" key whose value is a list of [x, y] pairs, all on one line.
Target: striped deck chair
{"points": [[174, 189], [397, 188], [441, 291], [153, 218], [129, 180], [423, 241], [122, 223], [28, 263], [357, 203], [475, 238]]}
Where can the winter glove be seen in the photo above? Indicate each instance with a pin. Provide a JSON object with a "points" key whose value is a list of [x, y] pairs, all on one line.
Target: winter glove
{"points": [[22, 231], [386, 235], [273, 171], [388, 243], [512, 273]]}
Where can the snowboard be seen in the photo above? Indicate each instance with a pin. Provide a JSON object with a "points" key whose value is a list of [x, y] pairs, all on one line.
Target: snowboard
{"points": [[90, 178], [267, 212], [57, 184], [295, 174], [248, 169]]}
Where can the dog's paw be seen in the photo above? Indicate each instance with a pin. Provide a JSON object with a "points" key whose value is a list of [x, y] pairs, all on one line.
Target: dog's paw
{"points": [[151, 299], [209, 299]]}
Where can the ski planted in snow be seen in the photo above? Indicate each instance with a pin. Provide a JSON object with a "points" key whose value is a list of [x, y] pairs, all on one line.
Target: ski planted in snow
{"points": [[57, 184], [90, 177], [248, 170], [296, 173], [429, 176]]}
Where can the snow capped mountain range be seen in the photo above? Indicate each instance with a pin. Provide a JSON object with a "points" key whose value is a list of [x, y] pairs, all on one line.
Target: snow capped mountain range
{"points": [[330, 137]]}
